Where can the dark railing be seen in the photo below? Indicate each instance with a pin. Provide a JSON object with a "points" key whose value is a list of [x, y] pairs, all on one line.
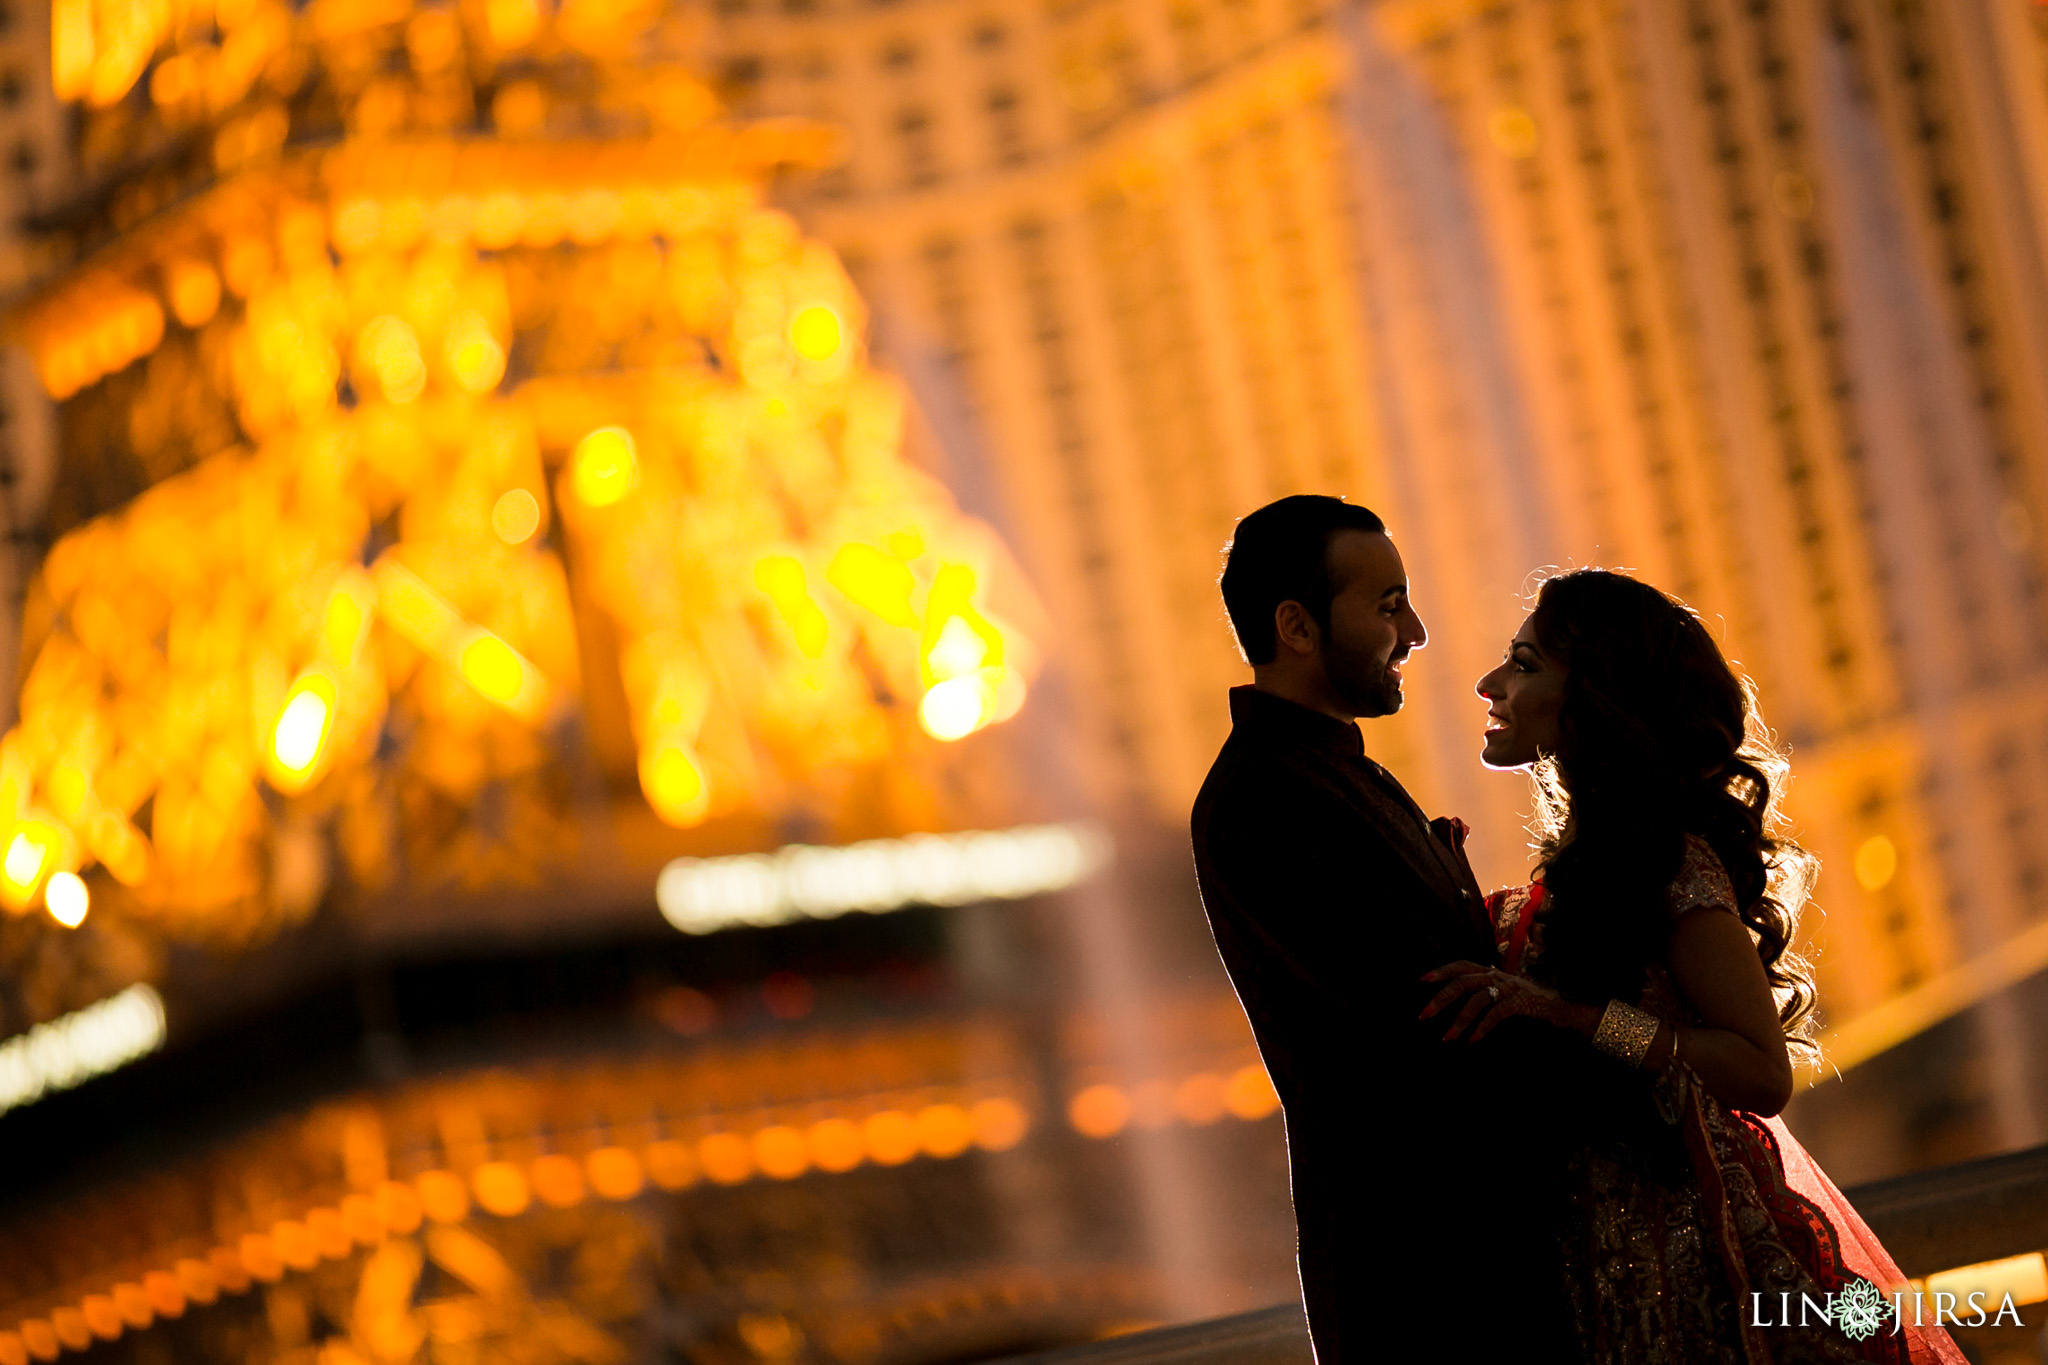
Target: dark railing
{"points": [[1930, 1221]]}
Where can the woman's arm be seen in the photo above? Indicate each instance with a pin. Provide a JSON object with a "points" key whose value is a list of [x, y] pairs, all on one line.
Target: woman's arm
{"points": [[1738, 1047]]}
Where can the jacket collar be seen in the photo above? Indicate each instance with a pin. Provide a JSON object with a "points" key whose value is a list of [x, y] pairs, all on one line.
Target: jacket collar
{"points": [[1262, 715]]}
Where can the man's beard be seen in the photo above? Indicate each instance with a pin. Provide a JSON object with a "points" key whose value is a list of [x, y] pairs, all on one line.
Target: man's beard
{"points": [[1368, 686]]}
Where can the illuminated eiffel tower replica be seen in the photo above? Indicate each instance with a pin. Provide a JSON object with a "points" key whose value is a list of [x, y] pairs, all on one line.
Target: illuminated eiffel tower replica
{"points": [[377, 323], [449, 428]]}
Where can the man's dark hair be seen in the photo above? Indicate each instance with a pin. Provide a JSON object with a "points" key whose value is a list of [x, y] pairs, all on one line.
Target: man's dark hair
{"points": [[1281, 553]]}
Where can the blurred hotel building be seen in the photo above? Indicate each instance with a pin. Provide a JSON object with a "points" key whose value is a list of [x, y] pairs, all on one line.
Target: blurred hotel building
{"points": [[471, 455], [1747, 298]]}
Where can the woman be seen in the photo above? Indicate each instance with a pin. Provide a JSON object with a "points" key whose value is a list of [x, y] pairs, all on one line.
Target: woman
{"points": [[1659, 928]]}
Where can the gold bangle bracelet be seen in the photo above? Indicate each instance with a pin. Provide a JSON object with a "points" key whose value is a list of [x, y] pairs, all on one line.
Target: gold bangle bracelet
{"points": [[1625, 1032]]}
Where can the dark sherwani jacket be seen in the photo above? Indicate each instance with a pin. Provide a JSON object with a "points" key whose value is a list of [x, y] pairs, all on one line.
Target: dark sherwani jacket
{"points": [[1424, 1172]]}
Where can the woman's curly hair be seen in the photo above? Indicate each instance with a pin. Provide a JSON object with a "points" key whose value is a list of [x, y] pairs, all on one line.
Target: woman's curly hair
{"points": [[1658, 737]]}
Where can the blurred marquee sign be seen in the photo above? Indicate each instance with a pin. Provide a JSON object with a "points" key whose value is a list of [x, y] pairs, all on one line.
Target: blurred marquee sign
{"points": [[807, 881], [76, 1047]]}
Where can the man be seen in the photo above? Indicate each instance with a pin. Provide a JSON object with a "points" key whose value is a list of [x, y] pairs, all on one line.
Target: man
{"points": [[1419, 1166]]}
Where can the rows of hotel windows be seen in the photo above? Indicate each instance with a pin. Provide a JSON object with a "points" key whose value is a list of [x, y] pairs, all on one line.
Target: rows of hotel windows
{"points": [[1087, 61]]}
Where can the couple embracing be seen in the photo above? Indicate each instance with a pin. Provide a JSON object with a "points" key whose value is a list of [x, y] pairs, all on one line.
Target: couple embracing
{"points": [[1536, 1125]]}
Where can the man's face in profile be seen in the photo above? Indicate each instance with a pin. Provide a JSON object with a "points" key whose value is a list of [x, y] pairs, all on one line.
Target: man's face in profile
{"points": [[1373, 627]]}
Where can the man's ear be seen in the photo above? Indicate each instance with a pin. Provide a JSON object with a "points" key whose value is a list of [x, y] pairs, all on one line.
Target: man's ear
{"points": [[1295, 629]]}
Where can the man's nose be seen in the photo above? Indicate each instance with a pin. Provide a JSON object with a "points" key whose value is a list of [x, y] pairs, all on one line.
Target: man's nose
{"points": [[1416, 635]]}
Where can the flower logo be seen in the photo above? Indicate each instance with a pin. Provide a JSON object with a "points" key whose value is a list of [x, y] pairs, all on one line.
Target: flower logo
{"points": [[1860, 1309]]}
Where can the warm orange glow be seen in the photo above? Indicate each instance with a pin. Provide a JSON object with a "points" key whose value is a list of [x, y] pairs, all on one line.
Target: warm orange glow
{"points": [[1513, 131], [197, 1279], [953, 709], [615, 1173], [783, 579], [259, 1257], [558, 1180], [1249, 1093], [944, 1130], [442, 1197], [500, 1188], [726, 1158], [674, 785], [999, 1124], [348, 618], [133, 1304], [957, 651], [1877, 862], [294, 1243], [1100, 1111], [356, 319], [814, 332], [66, 898], [398, 1207], [515, 516], [880, 582], [101, 1318], [671, 1164], [166, 1297], [835, 1145], [605, 467], [299, 736], [781, 1153], [490, 666], [28, 856], [474, 353], [194, 288], [390, 352], [1202, 1098], [890, 1136]]}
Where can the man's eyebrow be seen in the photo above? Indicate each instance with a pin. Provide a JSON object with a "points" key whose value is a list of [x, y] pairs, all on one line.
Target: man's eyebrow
{"points": [[1399, 588]]}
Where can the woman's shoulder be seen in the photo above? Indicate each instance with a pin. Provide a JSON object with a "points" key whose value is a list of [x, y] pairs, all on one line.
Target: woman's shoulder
{"points": [[1702, 882]]}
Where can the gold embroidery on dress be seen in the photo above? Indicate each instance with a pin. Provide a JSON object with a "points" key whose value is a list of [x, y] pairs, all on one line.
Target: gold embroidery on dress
{"points": [[1665, 1222]]}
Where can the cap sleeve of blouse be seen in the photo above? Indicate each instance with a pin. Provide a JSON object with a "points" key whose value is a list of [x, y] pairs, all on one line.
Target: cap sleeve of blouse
{"points": [[1702, 882]]}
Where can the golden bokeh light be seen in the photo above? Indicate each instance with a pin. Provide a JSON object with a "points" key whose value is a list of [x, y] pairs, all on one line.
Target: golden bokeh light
{"points": [[615, 1173], [1877, 862], [1099, 1111], [882, 583], [958, 650], [389, 351], [500, 1188], [605, 467], [515, 516], [299, 737], [835, 1145], [194, 290], [674, 786], [66, 898], [558, 1180], [725, 1158], [953, 709], [814, 332], [475, 354], [29, 854], [944, 1130], [492, 668], [890, 1137], [781, 1153], [1249, 1093], [1000, 1123], [1513, 130]]}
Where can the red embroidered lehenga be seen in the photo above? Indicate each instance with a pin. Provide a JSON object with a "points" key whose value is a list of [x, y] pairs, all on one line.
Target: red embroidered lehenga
{"points": [[1664, 1249]]}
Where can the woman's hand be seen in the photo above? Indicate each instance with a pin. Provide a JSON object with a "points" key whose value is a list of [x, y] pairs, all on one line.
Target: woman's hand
{"points": [[1490, 995]]}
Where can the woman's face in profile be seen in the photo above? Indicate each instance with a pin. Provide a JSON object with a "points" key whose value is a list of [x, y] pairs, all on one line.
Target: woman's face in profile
{"points": [[1523, 697]]}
